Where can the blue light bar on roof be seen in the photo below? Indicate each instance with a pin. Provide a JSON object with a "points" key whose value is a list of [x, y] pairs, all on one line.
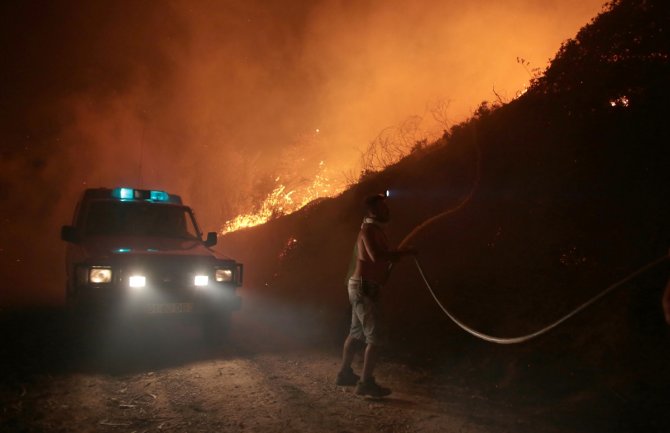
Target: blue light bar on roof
{"points": [[159, 196], [123, 193]]}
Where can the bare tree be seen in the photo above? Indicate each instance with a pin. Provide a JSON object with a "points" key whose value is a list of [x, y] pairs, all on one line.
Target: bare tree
{"points": [[438, 110], [392, 144], [501, 101]]}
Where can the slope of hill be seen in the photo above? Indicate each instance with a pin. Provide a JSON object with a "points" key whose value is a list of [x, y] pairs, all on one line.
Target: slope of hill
{"points": [[570, 193]]}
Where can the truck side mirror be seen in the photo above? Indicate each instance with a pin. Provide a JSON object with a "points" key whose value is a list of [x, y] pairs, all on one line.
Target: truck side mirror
{"points": [[211, 239], [69, 234]]}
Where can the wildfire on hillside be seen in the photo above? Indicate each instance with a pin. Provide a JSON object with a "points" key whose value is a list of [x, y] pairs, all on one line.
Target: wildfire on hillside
{"points": [[285, 199]]}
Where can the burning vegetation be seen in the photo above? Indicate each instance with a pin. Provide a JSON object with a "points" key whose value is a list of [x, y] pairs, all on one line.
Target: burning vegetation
{"points": [[285, 199]]}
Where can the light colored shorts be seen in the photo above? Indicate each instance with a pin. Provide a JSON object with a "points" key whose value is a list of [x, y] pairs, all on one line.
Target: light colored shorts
{"points": [[365, 311]]}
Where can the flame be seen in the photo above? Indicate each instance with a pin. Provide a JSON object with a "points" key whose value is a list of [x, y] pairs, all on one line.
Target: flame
{"points": [[621, 101], [521, 92], [284, 200], [289, 247]]}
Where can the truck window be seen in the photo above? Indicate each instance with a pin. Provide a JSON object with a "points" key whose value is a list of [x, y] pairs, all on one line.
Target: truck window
{"points": [[126, 218]]}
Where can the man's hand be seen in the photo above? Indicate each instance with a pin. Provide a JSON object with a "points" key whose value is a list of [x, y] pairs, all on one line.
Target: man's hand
{"points": [[402, 252]]}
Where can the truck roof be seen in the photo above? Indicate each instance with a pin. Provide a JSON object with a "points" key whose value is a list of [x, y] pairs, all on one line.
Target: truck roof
{"points": [[130, 194]]}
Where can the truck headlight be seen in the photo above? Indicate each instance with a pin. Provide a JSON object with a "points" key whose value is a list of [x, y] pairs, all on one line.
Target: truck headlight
{"points": [[100, 275], [137, 281], [201, 280], [223, 275]]}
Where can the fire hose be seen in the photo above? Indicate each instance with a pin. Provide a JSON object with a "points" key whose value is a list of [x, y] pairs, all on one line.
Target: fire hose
{"points": [[544, 330], [521, 338]]}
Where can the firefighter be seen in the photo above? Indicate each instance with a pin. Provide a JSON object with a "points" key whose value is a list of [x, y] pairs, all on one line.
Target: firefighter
{"points": [[371, 265]]}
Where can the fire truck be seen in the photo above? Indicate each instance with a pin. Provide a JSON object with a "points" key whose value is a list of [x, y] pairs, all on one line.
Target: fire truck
{"points": [[136, 255]]}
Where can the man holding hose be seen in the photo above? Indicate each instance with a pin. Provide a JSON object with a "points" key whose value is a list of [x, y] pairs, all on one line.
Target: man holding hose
{"points": [[373, 258]]}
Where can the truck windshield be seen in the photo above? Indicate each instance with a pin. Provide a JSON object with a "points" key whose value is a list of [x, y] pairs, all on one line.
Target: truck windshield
{"points": [[126, 218]]}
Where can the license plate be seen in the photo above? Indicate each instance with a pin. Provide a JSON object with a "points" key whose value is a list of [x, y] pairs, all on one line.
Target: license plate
{"points": [[173, 308]]}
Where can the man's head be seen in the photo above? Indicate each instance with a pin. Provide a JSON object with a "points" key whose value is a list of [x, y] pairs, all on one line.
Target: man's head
{"points": [[376, 207]]}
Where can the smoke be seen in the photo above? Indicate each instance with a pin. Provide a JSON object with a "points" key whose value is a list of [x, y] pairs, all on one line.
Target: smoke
{"points": [[214, 100]]}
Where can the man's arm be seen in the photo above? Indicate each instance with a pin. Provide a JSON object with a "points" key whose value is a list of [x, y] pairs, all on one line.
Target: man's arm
{"points": [[376, 247]]}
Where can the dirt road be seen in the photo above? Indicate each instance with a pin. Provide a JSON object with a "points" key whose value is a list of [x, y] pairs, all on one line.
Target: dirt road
{"points": [[269, 393], [173, 381], [261, 380]]}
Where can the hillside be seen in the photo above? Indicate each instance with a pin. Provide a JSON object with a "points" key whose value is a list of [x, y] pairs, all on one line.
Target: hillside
{"points": [[570, 193]]}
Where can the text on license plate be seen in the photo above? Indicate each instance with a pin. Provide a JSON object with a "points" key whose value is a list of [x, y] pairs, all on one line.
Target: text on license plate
{"points": [[172, 308]]}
